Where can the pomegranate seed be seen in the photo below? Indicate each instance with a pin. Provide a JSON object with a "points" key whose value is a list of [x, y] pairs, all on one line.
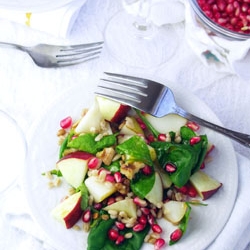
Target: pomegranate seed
{"points": [[119, 240], [86, 217], [139, 202], [66, 122], [103, 170], [145, 210], [192, 191], [159, 243], [193, 125], [176, 235], [151, 219], [138, 227], [98, 206], [162, 137], [150, 138], [110, 178], [111, 200], [147, 170], [182, 190], [118, 177], [194, 140], [143, 219], [94, 163], [141, 123], [170, 168], [120, 225], [156, 228], [113, 234]]}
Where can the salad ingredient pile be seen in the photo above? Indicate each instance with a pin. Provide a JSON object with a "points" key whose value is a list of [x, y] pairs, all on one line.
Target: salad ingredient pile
{"points": [[126, 171]]}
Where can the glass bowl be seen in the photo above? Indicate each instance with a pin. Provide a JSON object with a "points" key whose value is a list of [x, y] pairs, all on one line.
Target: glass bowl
{"points": [[214, 28]]}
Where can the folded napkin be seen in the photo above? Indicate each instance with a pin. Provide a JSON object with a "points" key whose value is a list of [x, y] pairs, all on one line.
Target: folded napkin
{"points": [[235, 235], [221, 54], [57, 22]]}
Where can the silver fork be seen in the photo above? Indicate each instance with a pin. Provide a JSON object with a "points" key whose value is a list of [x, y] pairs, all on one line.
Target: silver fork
{"points": [[155, 99], [48, 56]]}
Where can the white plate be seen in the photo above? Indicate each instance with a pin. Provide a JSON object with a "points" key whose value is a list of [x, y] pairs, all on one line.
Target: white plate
{"points": [[206, 222], [34, 5]]}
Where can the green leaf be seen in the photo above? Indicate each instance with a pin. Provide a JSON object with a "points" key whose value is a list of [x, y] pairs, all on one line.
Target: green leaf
{"points": [[135, 149], [88, 143], [142, 184], [85, 196]]}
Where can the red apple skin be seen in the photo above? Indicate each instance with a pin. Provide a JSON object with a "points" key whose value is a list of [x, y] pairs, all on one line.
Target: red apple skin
{"points": [[74, 215], [209, 193], [120, 113], [78, 154]]}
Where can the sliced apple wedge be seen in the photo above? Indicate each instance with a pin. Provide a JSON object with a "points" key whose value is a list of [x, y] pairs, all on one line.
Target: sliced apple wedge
{"points": [[126, 205], [174, 211], [156, 193], [112, 111], [168, 123], [74, 167], [92, 120], [204, 184], [69, 210], [130, 127], [99, 189]]}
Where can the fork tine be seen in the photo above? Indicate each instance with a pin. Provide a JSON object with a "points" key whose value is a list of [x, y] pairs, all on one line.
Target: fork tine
{"points": [[66, 61], [81, 46]]}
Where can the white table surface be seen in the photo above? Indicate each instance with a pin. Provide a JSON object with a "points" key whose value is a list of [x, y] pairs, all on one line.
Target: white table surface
{"points": [[26, 90]]}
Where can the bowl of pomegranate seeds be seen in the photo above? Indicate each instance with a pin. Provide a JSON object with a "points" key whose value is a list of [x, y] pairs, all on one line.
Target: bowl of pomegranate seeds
{"points": [[227, 18]]}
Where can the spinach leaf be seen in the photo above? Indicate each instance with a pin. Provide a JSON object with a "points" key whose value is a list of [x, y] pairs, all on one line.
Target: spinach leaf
{"points": [[135, 149], [113, 167], [86, 142], [85, 196], [142, 184]]}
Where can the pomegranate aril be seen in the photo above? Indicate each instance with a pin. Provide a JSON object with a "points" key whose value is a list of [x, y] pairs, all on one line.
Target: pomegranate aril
{"points": [[147, 170], [151, 219], [113, 234], [110, 178], [156, 228], [162, 137], [143, 219], [66, 122], [170, 168], [94, 163], [194, 140], [118, 177], [192, 191], [120, 225], [119, 240], [138, 227], [139, 202], [193, 125], [145, 210], [176, 235], [159, 243], [86, 217]]}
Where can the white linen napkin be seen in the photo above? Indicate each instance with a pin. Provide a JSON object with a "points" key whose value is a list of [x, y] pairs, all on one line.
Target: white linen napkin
{"points": [[235, 235], [221, 54], [57, 22]]}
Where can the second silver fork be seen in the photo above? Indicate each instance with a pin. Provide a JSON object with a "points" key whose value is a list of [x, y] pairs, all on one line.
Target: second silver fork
{"points": [[48, 56]]}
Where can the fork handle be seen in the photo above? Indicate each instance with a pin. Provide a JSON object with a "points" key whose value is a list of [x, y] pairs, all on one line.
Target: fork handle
{"points": [[243, 139], [12, 45]]}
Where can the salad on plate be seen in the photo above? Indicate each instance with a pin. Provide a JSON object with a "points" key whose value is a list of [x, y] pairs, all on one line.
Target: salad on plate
{"points": [[127, 173]]}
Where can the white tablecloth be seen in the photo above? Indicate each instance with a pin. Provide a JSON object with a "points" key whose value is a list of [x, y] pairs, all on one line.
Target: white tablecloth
{"points": [[26, 90]]}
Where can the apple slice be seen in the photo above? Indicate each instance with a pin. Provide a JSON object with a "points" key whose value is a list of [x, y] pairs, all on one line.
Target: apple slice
{"points": [[74, 167], [69, 210], [126, 205], [168, 123], [112, 111], [166, 181], [204, 184], [100, 190], [174, 211], [155, 195], [130, 127], [91, 121]]}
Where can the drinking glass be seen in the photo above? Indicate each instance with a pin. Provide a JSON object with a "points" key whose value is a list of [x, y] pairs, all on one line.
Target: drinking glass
{"points": [[133, 39]]}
